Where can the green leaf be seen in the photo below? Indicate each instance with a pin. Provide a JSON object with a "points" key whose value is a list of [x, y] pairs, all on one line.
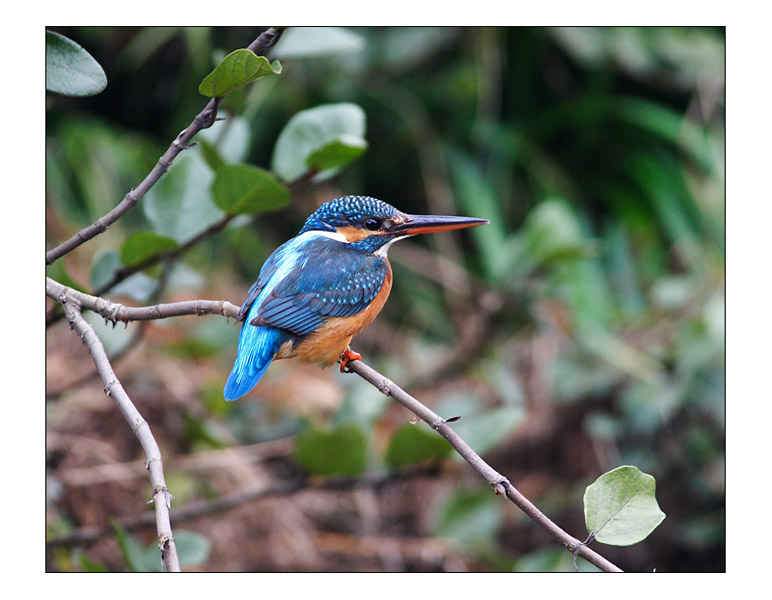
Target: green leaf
{"points": [[232, 137], [246, 189], [337, 153], [470, 518], [620, 507], [329, 135], [211, 155], [142, 245], [133, 553], [58, 272], [341, 451], [317, 42], [90, 566], [552, 233], [237, 69], [106, 261], [70, 70], [180, 205], [412, 444], [192, 548]]}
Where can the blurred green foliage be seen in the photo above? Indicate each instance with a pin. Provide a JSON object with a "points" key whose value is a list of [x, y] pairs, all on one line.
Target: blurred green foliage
{"points": [[592, 306]]}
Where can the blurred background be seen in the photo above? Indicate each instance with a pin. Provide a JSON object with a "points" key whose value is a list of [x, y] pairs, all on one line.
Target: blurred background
{"points": [[583, 329]]}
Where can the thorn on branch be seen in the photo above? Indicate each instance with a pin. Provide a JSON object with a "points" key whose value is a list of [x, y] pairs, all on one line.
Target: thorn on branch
{"points": [[575, 548], [385, 387], [108, 388], [501, 487], [163, 542]]}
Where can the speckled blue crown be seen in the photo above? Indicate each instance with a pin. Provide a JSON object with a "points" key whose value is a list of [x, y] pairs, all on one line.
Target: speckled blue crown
{"points": [[348, 210]]}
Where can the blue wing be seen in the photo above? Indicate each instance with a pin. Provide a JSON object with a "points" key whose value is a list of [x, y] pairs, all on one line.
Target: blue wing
{"points": [[303, 283], [332, 280], [258, 345]]}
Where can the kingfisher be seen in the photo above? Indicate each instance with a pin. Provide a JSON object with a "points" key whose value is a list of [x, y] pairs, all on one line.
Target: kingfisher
{"points": [[324, 286]]}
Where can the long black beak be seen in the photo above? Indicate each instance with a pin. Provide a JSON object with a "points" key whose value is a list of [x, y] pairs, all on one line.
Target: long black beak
{"points": [[430, 223]]}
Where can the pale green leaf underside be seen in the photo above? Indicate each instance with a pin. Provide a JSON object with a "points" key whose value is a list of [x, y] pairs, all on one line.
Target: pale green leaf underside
{"points": [[322, 139], [70, 70], [621, 508]]}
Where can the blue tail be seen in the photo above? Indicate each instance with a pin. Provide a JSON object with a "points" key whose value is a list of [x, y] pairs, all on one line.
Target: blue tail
{"points": [[257, 345]]}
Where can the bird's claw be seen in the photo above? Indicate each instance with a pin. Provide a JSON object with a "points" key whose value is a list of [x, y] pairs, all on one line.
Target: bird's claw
{"points": [[347, 356]]}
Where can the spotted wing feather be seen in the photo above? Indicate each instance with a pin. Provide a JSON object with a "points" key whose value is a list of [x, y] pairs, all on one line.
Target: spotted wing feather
{"points": [[331, 281]]}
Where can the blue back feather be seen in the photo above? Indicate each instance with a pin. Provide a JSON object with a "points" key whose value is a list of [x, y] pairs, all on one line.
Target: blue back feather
{"points": [[306, 281]]}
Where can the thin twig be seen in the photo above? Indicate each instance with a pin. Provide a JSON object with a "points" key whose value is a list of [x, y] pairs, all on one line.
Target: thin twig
{"points": [[498, 482], [236, 499], [203, 120], [112, 386], [115, 312]]}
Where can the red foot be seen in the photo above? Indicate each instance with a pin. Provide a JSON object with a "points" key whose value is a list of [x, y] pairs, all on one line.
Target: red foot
{"points": [[348, 355]]}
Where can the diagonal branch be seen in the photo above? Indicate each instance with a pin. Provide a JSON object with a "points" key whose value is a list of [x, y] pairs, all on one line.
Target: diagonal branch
{"points": [[203, 120], [498, 482], [113, 388]]}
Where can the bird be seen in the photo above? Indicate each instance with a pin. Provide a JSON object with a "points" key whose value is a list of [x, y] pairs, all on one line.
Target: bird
{"points": [[324, 286]]}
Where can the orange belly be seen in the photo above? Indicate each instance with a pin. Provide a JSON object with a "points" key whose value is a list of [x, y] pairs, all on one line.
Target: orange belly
{"points": [[327, 343]]}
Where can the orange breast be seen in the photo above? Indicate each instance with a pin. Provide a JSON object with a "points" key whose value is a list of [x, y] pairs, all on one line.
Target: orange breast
{"points": [[327, 343]]}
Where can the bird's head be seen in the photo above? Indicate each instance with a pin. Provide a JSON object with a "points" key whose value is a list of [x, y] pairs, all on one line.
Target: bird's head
{"points": [[372, 225]]}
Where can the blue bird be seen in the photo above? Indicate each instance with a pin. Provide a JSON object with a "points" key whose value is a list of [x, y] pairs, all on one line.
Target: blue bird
{"points": [[324, 286]]}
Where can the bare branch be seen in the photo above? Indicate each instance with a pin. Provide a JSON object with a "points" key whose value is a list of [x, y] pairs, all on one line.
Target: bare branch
{"points": [[203, 120], [498, 482], [112, 386], [112, 311], [236, 499]]}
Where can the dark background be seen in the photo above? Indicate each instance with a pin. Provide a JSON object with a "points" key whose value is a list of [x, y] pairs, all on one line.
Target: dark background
{"points": [[583, 329]]}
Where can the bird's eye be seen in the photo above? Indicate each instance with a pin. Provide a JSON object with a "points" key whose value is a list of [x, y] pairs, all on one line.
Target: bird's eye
{"points": [[373, 224]]}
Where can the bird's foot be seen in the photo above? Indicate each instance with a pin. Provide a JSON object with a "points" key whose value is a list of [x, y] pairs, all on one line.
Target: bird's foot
{"points": [[348, 355]]}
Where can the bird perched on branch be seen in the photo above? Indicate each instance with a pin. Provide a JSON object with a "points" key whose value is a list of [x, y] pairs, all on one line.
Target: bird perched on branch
{"points": [[324, 286]]}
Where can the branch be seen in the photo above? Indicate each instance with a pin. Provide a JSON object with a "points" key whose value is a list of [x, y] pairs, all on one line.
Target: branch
{"points": [[234, 500], [203, 120], [498, 482], [113, 388], [170, 255]]}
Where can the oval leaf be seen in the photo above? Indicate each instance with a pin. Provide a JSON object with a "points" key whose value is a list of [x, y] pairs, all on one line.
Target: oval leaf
{"points": [[103, 266], [620, 507], [318, 42], [192, 547], [142, 245], [470, 517], [180, 205], [336, 154], [341, 451], [246, 189], [70, 70], [310, 131], [411, 444], [237, 69]]}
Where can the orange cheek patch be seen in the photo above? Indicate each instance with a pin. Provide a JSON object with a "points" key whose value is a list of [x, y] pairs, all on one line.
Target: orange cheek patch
{"points": [[354, 234]]}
